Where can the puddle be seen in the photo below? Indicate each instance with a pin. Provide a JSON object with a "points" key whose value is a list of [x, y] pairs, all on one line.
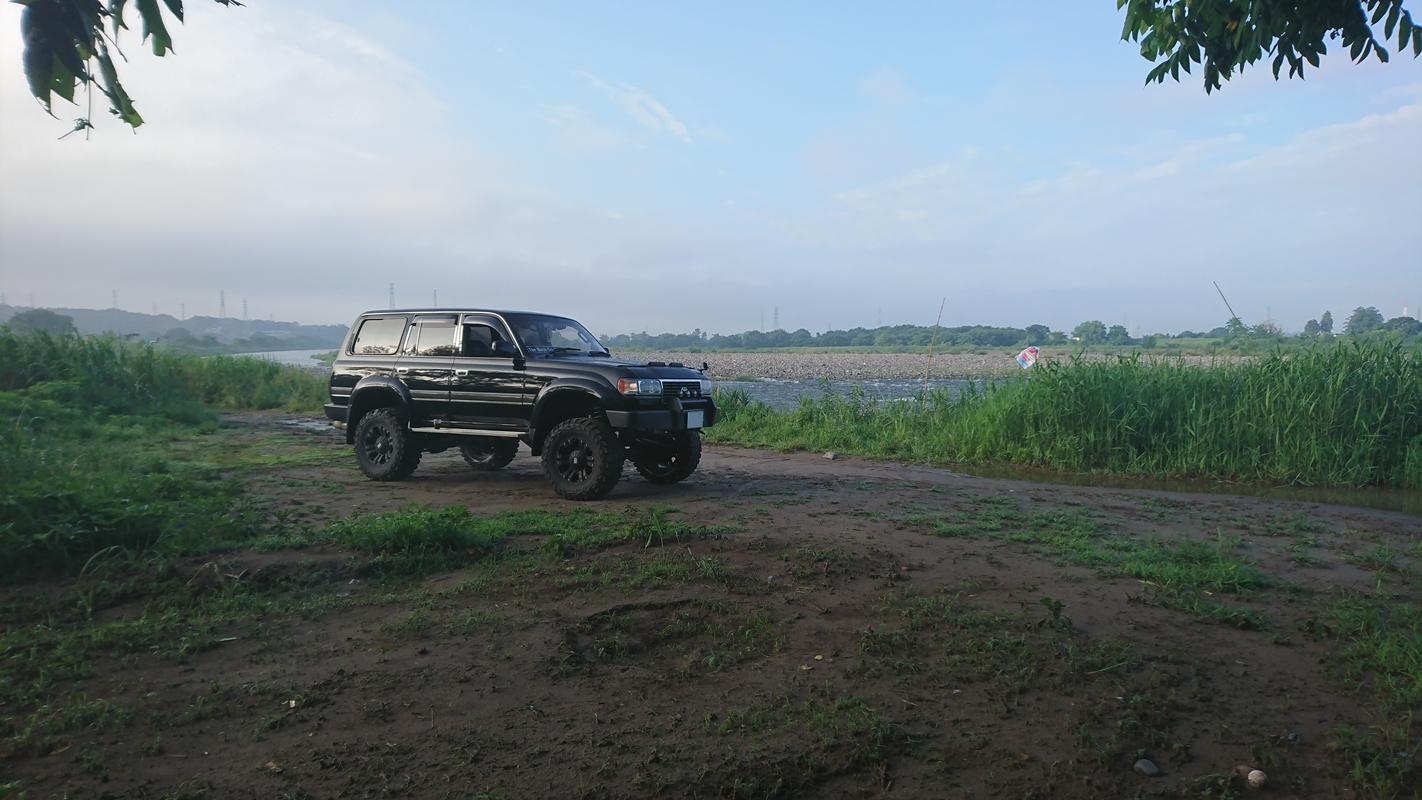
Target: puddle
{"points": [[319, 425]]}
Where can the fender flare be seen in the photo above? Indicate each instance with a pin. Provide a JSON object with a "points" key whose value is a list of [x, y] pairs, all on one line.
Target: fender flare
{"points": [[559, 390], [374, 391]]}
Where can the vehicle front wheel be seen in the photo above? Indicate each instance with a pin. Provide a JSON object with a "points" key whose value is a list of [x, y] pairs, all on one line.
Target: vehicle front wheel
{"points": [[384, 449], [582, 458], [488, 453], [676, 454]]}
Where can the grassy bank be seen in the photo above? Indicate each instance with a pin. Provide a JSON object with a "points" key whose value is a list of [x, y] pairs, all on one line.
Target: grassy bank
{"points": [[1346, 416], [84, 426]]}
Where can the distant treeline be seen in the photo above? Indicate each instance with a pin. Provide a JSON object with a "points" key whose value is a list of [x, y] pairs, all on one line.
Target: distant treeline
{"points": [[197, 335], [906, 336], [152, 327], [1364, 323]]}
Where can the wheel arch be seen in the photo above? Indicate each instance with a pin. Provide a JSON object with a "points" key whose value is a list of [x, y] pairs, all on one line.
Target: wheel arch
{"points": [[561, 401], [375, 392]]}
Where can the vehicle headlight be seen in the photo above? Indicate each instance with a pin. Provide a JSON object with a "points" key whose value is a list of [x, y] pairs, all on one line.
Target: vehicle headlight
{"points": [[705, 387], [644, 387]]}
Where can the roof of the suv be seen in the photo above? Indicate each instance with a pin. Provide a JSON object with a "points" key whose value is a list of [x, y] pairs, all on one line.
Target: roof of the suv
{"points": [[377, 312]]}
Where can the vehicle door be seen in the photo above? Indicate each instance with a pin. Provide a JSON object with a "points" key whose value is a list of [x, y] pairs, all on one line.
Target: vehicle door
{"points": [[373, 351], [426, 363], [486, 389]]}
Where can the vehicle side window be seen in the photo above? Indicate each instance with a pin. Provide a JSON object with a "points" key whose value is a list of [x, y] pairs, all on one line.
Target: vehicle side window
{"points": [[379, 337], [432, 339], [479, 340]]}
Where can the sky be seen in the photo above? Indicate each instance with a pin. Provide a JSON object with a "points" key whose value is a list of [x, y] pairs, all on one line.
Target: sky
{"points": [[671, 166]]}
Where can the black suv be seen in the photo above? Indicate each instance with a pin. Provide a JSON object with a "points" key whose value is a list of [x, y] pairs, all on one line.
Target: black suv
{"points": [[416, 381]]}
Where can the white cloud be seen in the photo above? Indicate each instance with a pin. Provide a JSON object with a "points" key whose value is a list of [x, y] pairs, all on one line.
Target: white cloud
{"points": [[643, 107]]}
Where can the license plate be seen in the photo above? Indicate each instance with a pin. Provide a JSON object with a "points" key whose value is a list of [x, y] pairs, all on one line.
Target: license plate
{"points": [[695, 419]]}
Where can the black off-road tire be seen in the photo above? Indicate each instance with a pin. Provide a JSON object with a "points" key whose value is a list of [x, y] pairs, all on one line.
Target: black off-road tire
{"points": [[488, 453], [678, 466], [582, 458], [384, 448]]}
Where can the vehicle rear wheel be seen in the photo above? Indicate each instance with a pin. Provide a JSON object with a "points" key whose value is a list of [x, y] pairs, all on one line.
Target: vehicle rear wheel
{"points": [[488, 453], [582, 458], [677, 454], [384, 449]]}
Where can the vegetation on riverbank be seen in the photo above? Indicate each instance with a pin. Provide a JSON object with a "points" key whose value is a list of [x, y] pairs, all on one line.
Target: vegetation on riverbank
{"points": [[1345, 416], [83, 461]]}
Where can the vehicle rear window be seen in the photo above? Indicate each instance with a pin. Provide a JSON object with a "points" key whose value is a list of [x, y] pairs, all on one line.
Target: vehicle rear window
{"points": [[379, 337], [433, 338]]}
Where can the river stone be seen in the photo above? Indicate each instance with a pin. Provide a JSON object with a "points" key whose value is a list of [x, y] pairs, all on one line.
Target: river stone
{"points": [[1147, 768]]}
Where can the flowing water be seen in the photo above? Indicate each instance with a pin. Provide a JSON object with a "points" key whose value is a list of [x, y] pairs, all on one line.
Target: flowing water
{"points": [[295, 358]]}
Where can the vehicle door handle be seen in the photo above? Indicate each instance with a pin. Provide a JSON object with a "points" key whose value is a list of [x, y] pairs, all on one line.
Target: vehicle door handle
{"points": [[402, 370], [461, 372]]}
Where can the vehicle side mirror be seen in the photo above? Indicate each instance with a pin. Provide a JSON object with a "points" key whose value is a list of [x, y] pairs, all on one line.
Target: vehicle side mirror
{"points": [[504, 349]]}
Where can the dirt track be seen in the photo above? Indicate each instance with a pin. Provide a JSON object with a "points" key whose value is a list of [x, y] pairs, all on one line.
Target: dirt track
{"points": [[563, 681]]}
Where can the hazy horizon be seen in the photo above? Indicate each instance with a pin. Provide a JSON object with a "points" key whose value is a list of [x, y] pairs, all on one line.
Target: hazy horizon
{"points": [[1340, 320], [671, 168]]}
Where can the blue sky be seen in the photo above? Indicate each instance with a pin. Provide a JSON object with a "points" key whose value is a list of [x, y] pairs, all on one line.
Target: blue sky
{"points": [[673, 166]]}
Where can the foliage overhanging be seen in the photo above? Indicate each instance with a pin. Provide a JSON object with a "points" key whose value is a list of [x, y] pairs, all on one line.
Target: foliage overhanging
{"points": [[64, 39], [1228, 35]]}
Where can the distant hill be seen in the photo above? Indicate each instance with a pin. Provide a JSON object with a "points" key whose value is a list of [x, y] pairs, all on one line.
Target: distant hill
{"points": [[225, 330]]}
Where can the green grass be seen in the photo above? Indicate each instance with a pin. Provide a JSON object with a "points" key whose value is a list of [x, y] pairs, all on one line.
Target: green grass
{"points": [[1379, 656], [1184, 574], [86, 474], [1346, 415], [105, 373]]}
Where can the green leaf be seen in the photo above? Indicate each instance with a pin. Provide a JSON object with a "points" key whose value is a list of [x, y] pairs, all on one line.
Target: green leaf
{"points": [[116, 13], [175, 6], [153, 26], [61, 80], [120, 104]]}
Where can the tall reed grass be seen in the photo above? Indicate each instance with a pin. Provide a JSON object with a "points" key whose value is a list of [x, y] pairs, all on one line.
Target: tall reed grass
{"points": [[107, 373], [82, 420], [1345, 415]]}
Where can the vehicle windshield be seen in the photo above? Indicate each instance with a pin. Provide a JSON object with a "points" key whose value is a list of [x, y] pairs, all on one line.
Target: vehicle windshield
{"points": [[542, 335]]}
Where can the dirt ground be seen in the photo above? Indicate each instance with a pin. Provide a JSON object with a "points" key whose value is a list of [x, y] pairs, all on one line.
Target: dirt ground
{"points": [[822, 638]]}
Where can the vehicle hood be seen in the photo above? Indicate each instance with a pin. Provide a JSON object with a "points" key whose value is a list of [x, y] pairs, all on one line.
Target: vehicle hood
{"points": [[629, 367]]}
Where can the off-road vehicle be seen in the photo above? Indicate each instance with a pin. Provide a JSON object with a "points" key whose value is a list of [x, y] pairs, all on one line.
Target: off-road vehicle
{"points": [[425, 380]]}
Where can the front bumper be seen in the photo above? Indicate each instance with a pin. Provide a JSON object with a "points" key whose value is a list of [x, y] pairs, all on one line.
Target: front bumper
{"points": [[671, 419]]}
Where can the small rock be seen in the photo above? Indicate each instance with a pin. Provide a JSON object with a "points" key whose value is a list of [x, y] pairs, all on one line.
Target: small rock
{"points": [[1147, 768], [1257, 779], [831, 456]]}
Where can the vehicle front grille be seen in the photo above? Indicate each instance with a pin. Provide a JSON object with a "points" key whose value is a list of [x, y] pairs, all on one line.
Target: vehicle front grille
{"points": [[685, 390]]}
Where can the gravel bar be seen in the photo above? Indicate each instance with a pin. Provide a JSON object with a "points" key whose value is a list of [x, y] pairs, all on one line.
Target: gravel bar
{"points": [[857, 366]]}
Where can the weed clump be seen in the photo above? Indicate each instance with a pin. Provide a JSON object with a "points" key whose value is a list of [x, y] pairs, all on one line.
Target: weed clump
{"points": [[416, 541]]}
